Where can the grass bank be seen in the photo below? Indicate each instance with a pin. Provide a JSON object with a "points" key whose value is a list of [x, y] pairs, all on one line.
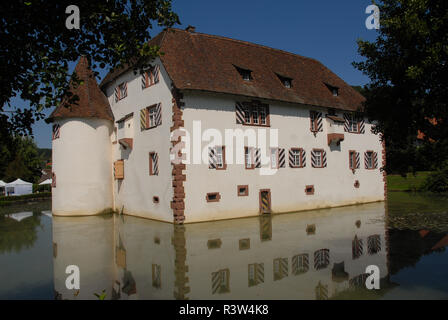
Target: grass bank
{"points": [[411, 182]]}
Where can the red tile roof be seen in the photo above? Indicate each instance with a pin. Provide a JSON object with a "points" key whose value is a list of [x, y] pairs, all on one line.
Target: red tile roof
{"points": [[196, 61], [92, 102]]}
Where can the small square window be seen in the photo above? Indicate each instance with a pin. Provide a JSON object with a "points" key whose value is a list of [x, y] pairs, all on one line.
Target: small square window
{"points": [[309, 190], [155, 199], [243, 190], [213, 197]]}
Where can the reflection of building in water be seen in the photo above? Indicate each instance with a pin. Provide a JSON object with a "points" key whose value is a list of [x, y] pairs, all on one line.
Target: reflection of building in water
{"points": [[252, 258], [88, 244]]}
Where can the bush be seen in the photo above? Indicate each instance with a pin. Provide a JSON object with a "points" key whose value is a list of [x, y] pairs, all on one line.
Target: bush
{"points": [[438, 180], [25, 197]]}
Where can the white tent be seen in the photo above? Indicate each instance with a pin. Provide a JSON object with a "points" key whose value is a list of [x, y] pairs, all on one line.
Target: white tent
{"points": [[48, 181], [20, 216], [2, 184], [19, 187]]}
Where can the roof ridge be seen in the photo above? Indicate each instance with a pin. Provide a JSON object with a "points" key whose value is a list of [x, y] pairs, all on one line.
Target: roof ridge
{"points": [[253, 44]]}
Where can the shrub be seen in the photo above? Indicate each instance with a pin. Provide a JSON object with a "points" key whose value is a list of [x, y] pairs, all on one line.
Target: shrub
{"points": [[438, 180]]}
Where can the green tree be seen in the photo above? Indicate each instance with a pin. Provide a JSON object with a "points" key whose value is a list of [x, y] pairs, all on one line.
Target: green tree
{"points": [[36, 47], [407, 66], [24, 161]]}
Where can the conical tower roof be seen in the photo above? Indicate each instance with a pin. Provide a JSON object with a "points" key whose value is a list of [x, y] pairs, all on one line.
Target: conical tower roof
{"points": [[92, 102]]}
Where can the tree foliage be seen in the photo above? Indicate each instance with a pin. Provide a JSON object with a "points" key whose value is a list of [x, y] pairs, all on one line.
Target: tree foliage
{"points": [[407, 67], [22, 161], [36, 48]]}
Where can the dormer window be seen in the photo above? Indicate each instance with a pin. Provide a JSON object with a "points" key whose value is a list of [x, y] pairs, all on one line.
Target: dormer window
{"points": [[246, 74], [334, 90], [287, 82]]}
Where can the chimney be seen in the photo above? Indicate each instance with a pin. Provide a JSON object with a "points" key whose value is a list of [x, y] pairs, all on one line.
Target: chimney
{"points": [[190, 29]]}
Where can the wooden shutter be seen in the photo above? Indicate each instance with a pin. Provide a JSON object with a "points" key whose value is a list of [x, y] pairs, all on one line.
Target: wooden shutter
{"points": [[145, 77], [211, 158], [143, 117], [303, 157], [257, 158], [158, 120], [156, 73], [347, 122], [239, 111], [119, 169], [155, 164], [281, 158], [116, 94], [361, 125]]}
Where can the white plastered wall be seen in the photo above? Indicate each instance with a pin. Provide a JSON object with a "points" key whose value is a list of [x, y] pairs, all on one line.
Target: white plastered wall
{"points": [[134, 194], [334, 185], [83, 169]]}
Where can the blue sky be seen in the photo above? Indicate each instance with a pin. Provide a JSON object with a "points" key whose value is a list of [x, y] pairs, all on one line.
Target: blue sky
{"points": [[321, 29]]}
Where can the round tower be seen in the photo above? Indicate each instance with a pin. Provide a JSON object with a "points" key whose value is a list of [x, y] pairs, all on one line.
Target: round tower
{"points": [[82, 150]]}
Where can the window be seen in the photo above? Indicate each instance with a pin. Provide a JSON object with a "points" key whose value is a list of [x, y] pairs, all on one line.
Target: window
{"points": [[246, 74], [300, 264], [280, 268], [220, 157], [334, 90], [287, 82], [321, 259], [353, 123], [220, 281], [309, 190], [296, 158], [150, 77], [253, 113], [243, 191], [213, 197], [315, 121], [217, 158], [374, 244], [274, 158], [155, 199], [153, 164], [353, 160], [255, 274], [56, 131], [121, 91], [151, 117], [249, 158], [151, 122], [370, 160], [318, 158]]}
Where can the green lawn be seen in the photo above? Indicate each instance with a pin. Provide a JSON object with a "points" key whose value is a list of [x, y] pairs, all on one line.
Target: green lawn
{"points": [[396, 182]]}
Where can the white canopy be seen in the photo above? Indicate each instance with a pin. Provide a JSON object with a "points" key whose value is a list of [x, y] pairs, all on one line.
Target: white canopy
{"points": [[19, 187], [20, 216], [48, 181], [18, 182], [2, 184]]}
